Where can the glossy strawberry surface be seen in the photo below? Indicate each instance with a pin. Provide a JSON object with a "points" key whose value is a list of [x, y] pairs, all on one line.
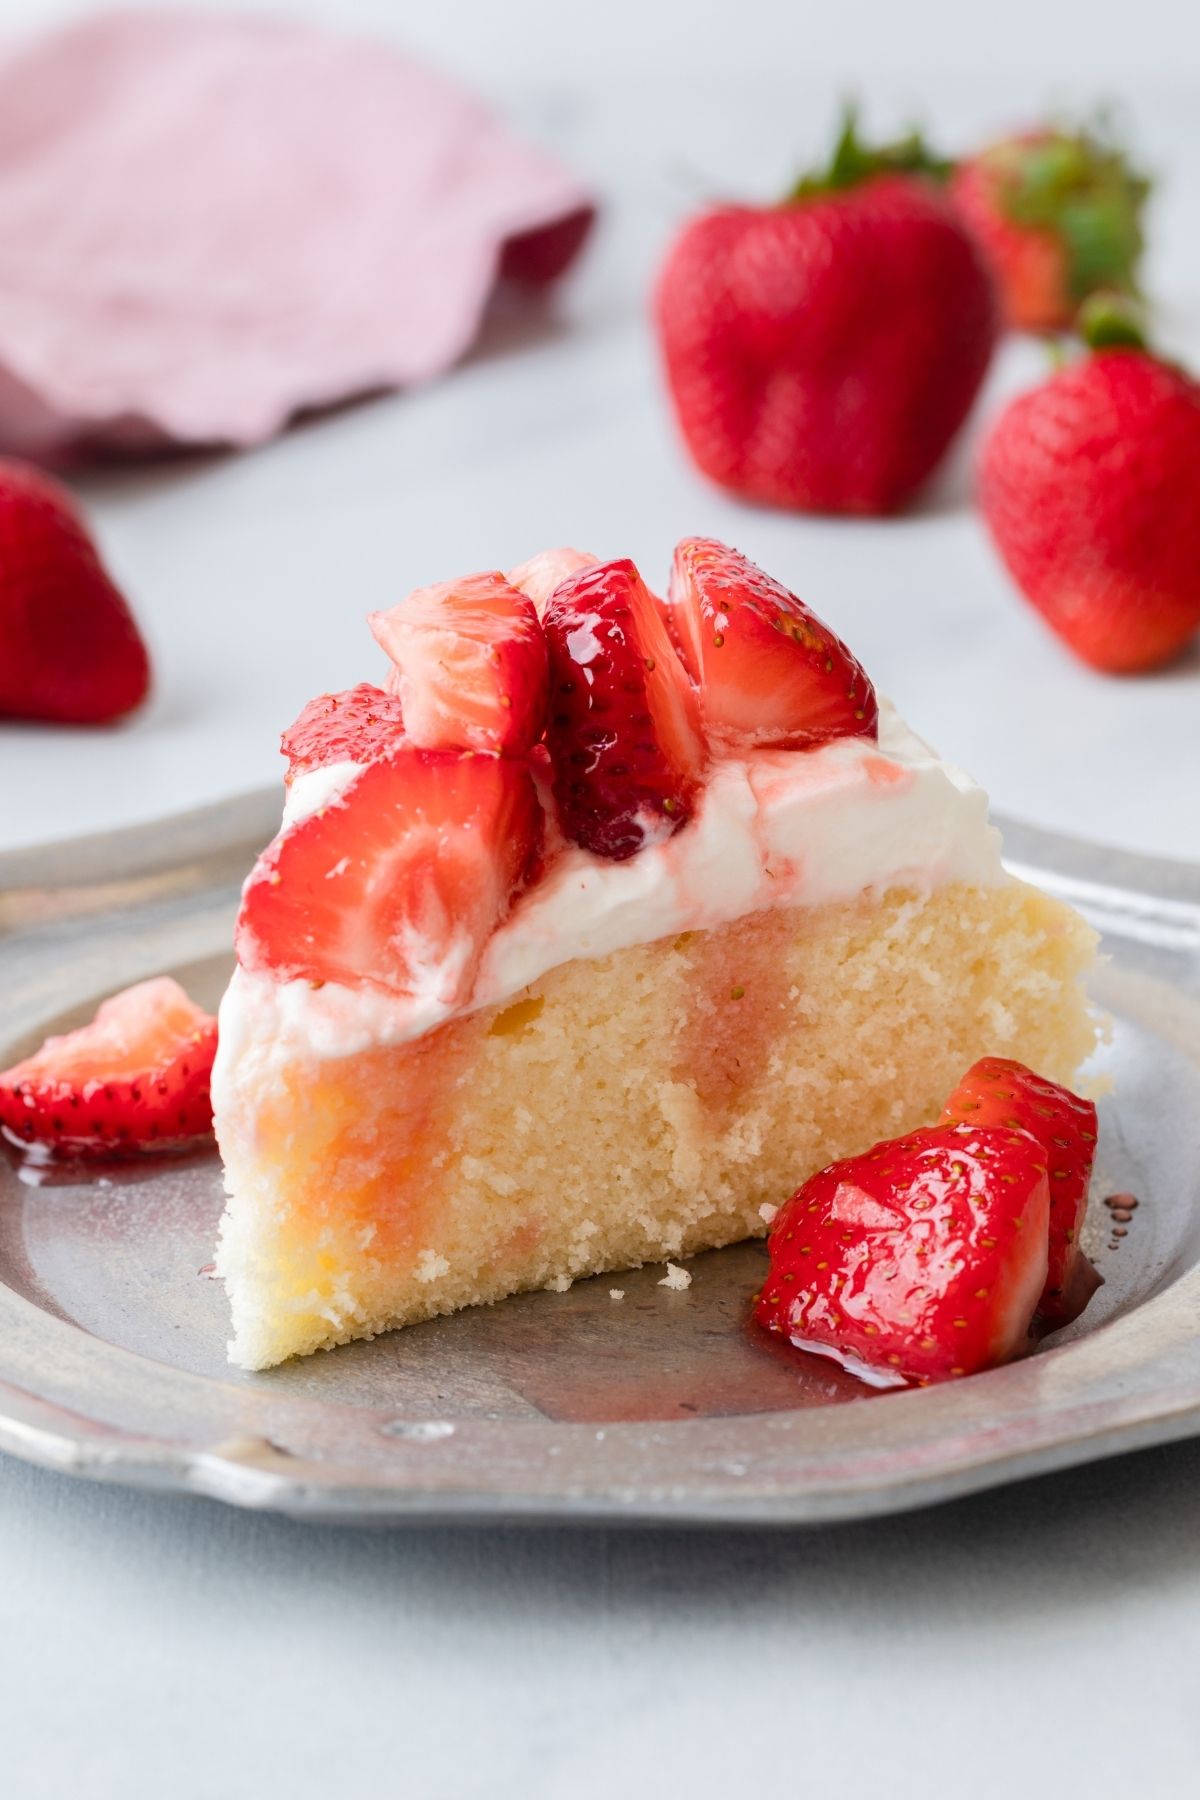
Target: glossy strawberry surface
{"points": [[398, 882], [769, 673], [822, 354], [135, 1078], [997, 1091], [1090, 485], [920, 1260], [623, 726]]}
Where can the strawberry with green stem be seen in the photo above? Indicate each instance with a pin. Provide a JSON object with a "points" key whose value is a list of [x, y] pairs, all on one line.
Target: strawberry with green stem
{"points": [[1058, 214], [822, 353], [1090, 486]]}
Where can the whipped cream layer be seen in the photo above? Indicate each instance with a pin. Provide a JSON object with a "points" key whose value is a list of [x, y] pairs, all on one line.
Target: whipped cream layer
{"points": [[772, 828]]}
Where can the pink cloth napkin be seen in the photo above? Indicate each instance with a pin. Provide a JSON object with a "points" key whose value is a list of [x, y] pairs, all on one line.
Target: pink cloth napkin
{"points": [[207, 224]]}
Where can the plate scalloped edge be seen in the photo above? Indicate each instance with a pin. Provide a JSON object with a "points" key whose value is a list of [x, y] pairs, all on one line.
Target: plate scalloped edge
{"points": [[77, 919]]}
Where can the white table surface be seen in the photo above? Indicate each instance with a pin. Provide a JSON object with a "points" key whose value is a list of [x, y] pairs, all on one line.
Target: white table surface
{"points": [[1048, 1635]]}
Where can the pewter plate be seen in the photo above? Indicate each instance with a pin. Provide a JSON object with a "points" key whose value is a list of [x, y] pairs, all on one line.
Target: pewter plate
{"points": [[567, 1408]]}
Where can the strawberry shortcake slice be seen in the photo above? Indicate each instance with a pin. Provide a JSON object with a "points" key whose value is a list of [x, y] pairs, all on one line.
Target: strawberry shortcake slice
{"points": [[589, 932]]}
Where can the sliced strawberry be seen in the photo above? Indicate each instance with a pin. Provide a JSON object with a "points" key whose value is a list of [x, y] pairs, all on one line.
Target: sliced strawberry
{"points": [[623, 732], [769, 672], [921, 1260], [469, 665], [399, 882], [544, 572], [136, 1078], [354, 726], [995, 1091]]}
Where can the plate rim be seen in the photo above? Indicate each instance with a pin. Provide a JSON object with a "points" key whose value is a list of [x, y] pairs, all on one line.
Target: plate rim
{"points": [[194, 859]]}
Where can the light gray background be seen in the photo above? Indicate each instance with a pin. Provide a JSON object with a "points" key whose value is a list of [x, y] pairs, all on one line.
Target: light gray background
{"points": [[1048, 1636], [253, 574]]}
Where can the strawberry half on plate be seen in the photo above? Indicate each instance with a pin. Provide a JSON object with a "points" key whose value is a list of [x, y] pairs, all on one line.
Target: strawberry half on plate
{"points": [[997, 1091], [135, 1078], [921, 1260]]}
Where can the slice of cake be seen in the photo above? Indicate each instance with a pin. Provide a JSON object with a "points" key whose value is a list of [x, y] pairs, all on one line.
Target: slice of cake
{"points": [[590, 936]]}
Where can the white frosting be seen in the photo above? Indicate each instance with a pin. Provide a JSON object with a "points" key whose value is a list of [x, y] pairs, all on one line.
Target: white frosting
{"points": [[309, 793], [774, 828]]}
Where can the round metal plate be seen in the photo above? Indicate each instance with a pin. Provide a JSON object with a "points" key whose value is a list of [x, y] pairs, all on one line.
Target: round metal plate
{"points": [[659, 1406]]}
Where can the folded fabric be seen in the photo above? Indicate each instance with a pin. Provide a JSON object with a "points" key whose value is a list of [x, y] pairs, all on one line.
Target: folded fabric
{"points": [[207, 224]]}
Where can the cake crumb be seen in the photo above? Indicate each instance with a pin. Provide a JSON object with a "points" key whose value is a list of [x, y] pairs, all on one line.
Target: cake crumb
{"points": [[431, 1266], [616, 1293], [768, 1213], [676, 1278], [560, 1284]]}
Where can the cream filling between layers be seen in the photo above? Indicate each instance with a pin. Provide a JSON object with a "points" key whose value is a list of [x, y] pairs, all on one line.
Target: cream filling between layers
{"points": [[773, 828]]}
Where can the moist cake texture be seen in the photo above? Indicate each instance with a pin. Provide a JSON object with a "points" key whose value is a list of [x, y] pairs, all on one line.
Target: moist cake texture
{"points": [[792, 939], [643, 1105]]}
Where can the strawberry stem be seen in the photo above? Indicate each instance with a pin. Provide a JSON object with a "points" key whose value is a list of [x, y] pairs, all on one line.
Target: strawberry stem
{"points": [[854, 161], [1111, 322]]}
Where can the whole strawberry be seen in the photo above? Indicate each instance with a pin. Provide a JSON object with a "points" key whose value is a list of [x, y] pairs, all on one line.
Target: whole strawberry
{"points": [[1059, 217], [1090, 485], [822, 353], [70, 651]]}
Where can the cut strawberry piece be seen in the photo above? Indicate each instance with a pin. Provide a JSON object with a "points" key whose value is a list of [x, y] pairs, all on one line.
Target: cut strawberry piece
{"points": [[921, 1260], [399, 882], [136, 1078], [469, 665], [770, 673], [995, 1091], [354, 726], [623, 732], [544, 572]]}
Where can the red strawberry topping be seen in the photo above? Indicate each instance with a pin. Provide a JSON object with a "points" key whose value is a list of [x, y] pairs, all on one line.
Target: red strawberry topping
{"points": [[135, 1078], [769, 672], [70, 651], [399, 882], [469, 665], [995, 1091], [921, 1260], [354, 726], [623, 730]]}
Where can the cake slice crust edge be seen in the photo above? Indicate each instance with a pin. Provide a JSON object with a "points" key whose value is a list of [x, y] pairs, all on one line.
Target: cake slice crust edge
{"points": [[643, 1105]]}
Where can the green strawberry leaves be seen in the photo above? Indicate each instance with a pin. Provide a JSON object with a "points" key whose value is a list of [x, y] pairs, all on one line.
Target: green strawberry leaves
{"points": [[1081, 186], [854, 161]]}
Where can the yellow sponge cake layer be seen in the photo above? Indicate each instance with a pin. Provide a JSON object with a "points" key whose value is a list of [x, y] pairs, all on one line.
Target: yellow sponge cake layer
{"points": [[644, 1104]]}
